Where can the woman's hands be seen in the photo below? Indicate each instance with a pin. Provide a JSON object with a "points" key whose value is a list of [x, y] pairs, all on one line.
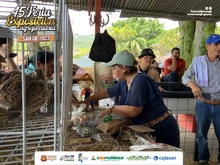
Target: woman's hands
{"points": [[106, 112], [76, 103], [86, 101]]}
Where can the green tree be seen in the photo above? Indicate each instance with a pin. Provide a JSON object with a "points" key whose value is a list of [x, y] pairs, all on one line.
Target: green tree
{"points": [[122, 35], [80, 53], [187, 32], [135, 45], [166, 41], [217, 30], [135, 33], [193, 36]]}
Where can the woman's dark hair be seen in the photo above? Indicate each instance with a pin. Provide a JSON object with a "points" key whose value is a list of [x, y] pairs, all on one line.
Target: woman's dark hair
{"points": [[5, 34], [130, 69], [43, 57], [3, 41]]}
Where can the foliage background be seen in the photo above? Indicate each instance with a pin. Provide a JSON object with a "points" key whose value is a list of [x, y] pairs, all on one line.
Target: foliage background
{"points": [[135, 34]]}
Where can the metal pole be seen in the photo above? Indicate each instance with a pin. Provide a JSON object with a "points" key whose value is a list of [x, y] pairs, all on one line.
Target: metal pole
{"points": [[70, 64], [40, 132], [63, 78], [56, 77], [23, 100], [69, 69]]}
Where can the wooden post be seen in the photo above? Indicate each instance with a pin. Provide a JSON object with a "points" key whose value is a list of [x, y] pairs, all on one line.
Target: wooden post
{"points": [[98, 8]]}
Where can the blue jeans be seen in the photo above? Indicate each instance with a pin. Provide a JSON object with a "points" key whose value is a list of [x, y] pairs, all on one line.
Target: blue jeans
{"points": [[173, 77], [204, 113]]}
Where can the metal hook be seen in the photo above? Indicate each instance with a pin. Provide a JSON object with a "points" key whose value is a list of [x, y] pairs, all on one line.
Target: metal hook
{"points": [[103, 23], [91, 22]]}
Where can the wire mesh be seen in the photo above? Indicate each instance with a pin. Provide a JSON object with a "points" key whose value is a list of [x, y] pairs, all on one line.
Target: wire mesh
{"points": [[40, 137], [22, 136], [41, 130]]}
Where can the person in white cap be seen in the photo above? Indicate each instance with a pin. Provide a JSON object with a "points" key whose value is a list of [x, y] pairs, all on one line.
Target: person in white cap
{"points": [[206, 90], [137, 96]]}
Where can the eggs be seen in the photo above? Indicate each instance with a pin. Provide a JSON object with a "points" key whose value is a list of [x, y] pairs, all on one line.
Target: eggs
{"points": [[82, 120], [86, 117], [92, 116], [76, 121]]}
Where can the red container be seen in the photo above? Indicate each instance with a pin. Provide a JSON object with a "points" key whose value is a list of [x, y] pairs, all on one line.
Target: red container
{"points": [[187, 121]]}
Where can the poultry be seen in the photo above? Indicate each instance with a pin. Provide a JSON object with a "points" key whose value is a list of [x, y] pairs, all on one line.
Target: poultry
{"points": [[11, 91], [4, 116], [50, 102]]}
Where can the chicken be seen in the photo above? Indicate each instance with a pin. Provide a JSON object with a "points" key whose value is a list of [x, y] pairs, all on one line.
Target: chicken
{"points": [[50, 102], [4, 116], [11, 91]]}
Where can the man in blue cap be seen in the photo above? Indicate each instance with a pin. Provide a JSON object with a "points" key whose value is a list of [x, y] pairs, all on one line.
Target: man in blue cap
{"points": [[206, 89]]}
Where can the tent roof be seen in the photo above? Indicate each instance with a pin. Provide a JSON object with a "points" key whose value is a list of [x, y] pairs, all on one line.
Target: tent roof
{"points": [[170, 9]]}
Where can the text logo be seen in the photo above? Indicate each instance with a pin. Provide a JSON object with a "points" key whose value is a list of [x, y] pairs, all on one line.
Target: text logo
{"points": [[110, 158], [30, 18], [131, 158], [93, 158], [67, 158], [43, 158], [205, 12], [81, 158], [164, 158]]}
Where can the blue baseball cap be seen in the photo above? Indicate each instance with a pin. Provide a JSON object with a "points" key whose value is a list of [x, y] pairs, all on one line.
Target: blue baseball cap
{"points": [[212, 39]]}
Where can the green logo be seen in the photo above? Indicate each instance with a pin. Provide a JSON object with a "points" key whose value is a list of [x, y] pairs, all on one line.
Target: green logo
{"points": [[110, 158], [141, 158]]}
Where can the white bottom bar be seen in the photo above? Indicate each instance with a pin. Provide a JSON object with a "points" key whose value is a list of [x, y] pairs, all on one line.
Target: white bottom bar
{"points": [[109, 158]]}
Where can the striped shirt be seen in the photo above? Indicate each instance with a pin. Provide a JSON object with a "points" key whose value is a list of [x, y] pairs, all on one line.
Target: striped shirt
{"points": [[213, 78]]}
